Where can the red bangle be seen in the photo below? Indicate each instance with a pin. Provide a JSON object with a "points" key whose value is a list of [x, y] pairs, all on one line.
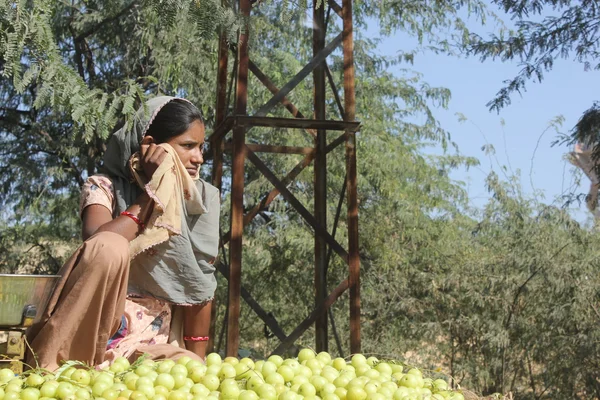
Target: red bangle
{"points": [[134, 218], [196, 338]]}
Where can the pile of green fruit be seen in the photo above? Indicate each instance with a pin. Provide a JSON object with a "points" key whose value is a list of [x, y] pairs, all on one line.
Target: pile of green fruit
{"points": [[310, 376]]}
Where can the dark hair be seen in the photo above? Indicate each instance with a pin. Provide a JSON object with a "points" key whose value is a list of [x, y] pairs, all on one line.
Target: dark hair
{"points": [[173, 119]]}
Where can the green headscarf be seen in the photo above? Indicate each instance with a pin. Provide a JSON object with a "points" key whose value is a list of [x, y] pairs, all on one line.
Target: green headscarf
{"points": [[179, 270]]}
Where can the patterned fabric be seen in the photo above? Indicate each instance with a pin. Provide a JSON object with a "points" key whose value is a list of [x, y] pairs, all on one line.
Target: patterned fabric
{"points": [[97, 189], [147, 321], [119, 335]]}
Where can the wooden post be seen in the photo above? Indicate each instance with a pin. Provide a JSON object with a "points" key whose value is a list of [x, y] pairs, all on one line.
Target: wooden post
{"points": [[352, 189], [217, 149], [237, 193], [320, 178]]}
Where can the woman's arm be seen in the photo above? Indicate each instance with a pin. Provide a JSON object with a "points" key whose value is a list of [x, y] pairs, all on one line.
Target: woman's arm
{"points": [[196, 323], [97, 218]]}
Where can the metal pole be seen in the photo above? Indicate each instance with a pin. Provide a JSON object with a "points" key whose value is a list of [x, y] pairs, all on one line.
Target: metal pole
{"points": [[350, 111], [217, 171], [237, 192], [221, 110], [320, 201], [336, 221]]}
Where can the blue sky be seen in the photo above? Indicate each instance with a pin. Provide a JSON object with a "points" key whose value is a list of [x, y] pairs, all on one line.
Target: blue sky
{"points": [[566, 91]]}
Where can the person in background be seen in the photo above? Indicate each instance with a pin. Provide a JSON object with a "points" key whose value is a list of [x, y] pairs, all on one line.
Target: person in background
{"points": [[143, 279]]}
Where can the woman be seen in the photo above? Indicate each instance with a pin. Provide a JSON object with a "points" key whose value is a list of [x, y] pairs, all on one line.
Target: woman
{"points": [[143, 279]]}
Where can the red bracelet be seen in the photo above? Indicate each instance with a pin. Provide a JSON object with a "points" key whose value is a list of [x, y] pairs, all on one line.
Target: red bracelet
{"points": [[134, 218], [196, 338]]}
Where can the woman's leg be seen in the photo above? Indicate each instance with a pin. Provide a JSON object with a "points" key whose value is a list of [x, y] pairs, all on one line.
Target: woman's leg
{"points": [[86, 306], [196, 322]]}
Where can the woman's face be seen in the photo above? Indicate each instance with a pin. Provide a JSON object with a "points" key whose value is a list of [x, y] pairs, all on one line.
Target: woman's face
{"points": [[189, 147]]}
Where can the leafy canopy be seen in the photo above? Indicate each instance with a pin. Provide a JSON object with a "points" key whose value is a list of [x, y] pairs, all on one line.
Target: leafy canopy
{"points": [[545, 30]]}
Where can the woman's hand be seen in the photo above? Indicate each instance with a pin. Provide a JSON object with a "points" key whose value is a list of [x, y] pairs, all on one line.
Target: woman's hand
{"points": [[151, 155]]}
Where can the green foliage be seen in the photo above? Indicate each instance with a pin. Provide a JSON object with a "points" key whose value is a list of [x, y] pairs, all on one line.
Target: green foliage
{"points": [[538, 42], [505, 296], [205, 16], [72, 72], [436, 25], [587, 131], [31, 58]]}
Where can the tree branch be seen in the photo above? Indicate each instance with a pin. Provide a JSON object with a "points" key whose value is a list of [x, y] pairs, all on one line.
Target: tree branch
{"points": [[531, 376], [89, 58], [106, 21], [64, 160], [15, 110], [522, 287]]}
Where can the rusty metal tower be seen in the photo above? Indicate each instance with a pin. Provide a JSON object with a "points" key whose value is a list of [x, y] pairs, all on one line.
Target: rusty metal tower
{"points": [[238, 122]]}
